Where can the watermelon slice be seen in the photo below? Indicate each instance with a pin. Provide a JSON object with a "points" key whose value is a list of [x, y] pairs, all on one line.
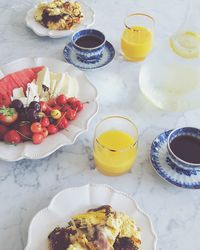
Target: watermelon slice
{"points": [[16, 80]]}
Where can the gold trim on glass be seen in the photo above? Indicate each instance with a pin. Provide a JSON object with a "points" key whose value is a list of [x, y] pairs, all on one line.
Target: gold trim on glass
{"points": [[137, 14], [119, 150]]}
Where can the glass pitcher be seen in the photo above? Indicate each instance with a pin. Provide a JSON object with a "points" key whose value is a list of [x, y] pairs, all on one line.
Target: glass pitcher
{"points": [[170, 77]]}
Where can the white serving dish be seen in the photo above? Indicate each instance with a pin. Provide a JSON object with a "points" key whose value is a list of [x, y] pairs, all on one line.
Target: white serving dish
{"points": [[87, 93], [76, 200], [40, 30]]}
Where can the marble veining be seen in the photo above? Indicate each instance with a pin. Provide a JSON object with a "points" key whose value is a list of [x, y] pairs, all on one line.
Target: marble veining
{"points": [[28, 186]]}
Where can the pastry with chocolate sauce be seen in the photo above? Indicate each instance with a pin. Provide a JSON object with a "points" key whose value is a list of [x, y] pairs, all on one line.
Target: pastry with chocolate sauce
{"points": [[59, 14], [101, 228]]}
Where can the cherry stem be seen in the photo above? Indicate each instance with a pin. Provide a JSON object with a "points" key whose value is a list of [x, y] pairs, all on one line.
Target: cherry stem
{"points": [[60, 119], [24, 135]]}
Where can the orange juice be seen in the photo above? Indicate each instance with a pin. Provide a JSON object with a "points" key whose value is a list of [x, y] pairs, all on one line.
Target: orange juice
{"points": [[114, 152], [136, 43]]}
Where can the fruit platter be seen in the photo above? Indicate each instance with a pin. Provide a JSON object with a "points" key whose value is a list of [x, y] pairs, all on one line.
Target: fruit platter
{"points": [[45, 104]]}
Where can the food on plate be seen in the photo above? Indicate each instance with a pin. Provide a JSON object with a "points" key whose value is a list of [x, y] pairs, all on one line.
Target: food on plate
{"points": [[16, 80], [38, 103], [12, 137], [44, 86], [30, 123], [59, 14], [101, 228], [3, 130], [8, 116]]}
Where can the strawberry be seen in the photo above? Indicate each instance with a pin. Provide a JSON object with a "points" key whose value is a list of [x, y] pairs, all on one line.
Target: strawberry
{"points": [[8, 115], [12, 137]]}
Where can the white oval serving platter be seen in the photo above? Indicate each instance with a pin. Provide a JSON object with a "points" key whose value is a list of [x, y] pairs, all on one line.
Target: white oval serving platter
{"points": [[87, 93]]}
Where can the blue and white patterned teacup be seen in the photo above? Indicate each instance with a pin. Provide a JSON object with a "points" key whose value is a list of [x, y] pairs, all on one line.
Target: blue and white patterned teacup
{"points": [[88, 55], [188, 167]]}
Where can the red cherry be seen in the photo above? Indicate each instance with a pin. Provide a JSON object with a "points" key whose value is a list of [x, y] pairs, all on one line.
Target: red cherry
{"points": [[43, 106], [37, 138], [48, 110], [45, 122], [62, 123], [71, 114], [36, 127], [56, 107], [52, 102], [44, 132], [77, 105], [61, 100], [24, 129], [52, 129], [66, 108], [71, 100]]}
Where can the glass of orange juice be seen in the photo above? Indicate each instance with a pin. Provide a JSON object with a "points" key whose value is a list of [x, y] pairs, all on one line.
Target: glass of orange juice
{"points": [[115, 145], [137, 37]]}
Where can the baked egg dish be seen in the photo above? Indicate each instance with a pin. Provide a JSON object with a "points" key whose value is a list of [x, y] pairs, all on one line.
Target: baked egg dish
{"points": [[101, 228], [58, 14]]}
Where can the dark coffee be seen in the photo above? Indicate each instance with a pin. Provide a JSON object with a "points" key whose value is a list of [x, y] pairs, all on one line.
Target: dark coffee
{"points": [[88, 41], [187, 148]]}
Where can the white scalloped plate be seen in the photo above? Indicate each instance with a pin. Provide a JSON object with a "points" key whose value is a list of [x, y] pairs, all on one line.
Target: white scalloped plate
{"points": [[40, 30], [76, 200], [87, 92]]}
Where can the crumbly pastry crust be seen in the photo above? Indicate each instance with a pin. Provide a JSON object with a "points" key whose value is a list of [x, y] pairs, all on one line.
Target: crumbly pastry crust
{"points": [[97, 229], [59, 14]]}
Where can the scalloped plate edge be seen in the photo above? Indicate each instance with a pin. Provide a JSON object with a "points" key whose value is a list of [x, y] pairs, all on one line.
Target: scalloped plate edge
{"points": [[55, 34], [86, 126], [106, 186]]}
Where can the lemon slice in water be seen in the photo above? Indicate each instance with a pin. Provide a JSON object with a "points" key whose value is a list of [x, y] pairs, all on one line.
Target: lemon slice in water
{"points": [[186, 44]]}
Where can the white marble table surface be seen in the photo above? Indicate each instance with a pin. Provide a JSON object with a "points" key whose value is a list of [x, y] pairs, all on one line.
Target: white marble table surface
{"points": [[27, 186]]}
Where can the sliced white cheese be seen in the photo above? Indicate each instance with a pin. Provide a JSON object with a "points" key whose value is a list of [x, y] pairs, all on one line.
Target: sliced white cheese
{"points": [[72, 87], [57, 83], [18, 93], [32, 92], [53, 82], [60, 84], [43, 78]]}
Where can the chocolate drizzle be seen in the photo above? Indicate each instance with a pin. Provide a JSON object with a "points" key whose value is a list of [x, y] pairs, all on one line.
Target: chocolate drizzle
{"points": [[60, 238], [107, 208], [124, 243], [47, 18]]}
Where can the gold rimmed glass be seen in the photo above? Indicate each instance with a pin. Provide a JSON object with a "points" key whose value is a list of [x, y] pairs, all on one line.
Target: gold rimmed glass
{"points": [[137, 37], [115, 145]]}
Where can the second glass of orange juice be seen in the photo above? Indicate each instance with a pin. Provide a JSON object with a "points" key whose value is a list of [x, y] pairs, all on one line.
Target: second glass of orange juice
{"points": [[115, 145], [137, 37]]}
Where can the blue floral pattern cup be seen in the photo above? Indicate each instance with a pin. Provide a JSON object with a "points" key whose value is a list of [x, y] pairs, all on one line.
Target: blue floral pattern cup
{"points": [[188, 167], [89, 55]]}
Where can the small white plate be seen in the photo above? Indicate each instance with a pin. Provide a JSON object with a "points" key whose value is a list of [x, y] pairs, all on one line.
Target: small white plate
{"points": [[40, 30], [87, 93], [76, 200]]}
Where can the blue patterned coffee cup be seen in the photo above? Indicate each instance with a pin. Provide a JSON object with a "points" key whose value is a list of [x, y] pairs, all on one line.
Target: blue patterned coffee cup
{"points": [[189, 167], [88, 55]]}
